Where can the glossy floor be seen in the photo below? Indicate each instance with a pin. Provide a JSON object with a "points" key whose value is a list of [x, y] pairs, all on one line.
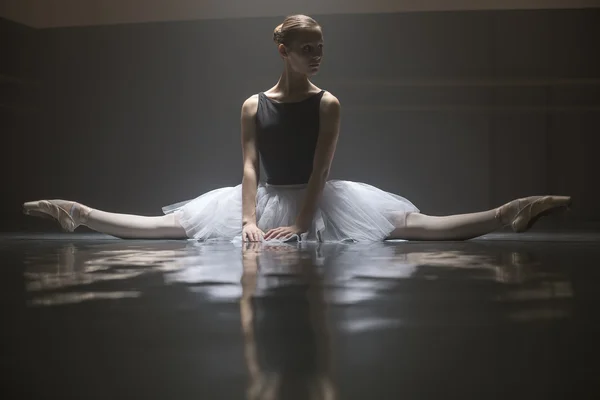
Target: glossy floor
{"points": [[506, 316]]}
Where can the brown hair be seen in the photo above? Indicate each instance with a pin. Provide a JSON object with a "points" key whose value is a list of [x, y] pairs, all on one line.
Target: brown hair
{"points": [[285, 32]]}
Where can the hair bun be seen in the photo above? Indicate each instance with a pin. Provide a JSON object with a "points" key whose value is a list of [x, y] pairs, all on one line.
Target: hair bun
{"points": [[285, 32], [277, 34]]}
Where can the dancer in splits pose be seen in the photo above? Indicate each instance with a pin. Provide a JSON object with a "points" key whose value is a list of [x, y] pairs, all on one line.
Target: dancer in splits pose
{"points": [[293, 128]]}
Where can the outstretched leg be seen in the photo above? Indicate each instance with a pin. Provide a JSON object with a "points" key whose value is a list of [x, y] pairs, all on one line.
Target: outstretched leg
{"points": [[71, 214], [128, 226], [520, 214], [452, 227]]}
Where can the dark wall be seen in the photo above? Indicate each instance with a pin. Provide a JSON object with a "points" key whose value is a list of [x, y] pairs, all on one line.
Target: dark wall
{"points": [[17, 109], [457, 111]]}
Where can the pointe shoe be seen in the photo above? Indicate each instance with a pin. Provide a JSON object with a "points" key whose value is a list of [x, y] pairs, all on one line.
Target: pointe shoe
{"points": [[57, 209], [521, 214]]}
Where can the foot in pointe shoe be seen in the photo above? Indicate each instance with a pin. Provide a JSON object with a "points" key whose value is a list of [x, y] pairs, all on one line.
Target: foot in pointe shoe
{"points": [[521, 214], [68, 213]]}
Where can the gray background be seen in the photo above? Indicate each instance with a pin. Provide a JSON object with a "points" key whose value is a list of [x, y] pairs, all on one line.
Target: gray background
{"points": [[457, 111]]}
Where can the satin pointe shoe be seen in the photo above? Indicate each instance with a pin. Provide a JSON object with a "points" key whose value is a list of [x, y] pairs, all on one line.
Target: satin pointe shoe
{"points": [[69, 214], [521, 214]]}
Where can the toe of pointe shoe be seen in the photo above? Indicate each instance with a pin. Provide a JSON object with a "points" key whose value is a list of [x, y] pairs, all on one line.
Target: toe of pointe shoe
{"points": [[29, 206], [560, 202], [539, 207], [48, 208], [32, 209]]}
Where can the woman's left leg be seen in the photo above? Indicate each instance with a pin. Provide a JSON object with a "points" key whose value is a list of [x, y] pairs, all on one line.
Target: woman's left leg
{"points": [[452, 227], [520, 214]]}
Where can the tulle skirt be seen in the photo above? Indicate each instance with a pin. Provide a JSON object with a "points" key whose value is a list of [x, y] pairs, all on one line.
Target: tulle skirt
{"points": [[347, 211]]}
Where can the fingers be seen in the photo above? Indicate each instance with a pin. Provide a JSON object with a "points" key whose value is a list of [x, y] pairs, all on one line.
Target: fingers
{"points": [[278, 233], [270, 233], [258, 235], [274, 233], [253, 236], [283, 235]]}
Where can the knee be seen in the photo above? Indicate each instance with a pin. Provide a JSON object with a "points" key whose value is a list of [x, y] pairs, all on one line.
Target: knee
{"points": [[409, 220], [405, 226]]}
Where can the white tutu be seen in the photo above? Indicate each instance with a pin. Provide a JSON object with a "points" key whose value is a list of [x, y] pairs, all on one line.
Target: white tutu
{"points": [[347, 211]]}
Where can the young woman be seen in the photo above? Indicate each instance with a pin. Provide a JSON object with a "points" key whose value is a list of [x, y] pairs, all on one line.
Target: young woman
{"points": [[293, 129]]}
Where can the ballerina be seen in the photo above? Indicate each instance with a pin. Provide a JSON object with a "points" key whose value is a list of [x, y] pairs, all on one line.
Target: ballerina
{"points": [[293, 129]]}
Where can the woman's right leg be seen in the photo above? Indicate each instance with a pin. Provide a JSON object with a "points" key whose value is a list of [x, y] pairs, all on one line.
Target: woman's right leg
{"points": [[71, 214], [128, 226]]}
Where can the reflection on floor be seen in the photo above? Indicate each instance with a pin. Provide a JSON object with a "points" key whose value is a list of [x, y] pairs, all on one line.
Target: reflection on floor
{"points": [[89, 316]]}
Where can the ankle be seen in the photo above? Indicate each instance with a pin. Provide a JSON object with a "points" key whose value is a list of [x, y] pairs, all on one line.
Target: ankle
{"points": [[81, 213], [499, 215], [507, 212]]}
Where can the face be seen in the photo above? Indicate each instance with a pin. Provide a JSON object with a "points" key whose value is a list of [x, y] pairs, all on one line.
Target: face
{"points": [[305, 53]]}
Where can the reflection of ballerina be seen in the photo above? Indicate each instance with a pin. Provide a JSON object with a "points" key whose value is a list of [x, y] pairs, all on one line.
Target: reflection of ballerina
{"points": [[293, 129], [286, 341]]}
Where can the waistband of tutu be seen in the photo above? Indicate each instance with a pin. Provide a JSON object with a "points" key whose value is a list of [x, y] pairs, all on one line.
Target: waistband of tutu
{"points": [[294, 186]]}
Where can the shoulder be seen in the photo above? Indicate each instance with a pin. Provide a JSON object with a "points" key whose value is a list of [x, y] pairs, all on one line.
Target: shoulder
{"points": [[250, 106], [330, 105]]}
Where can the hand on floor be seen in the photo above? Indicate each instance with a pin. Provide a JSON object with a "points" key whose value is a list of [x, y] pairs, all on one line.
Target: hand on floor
{"points": [[283, 232], [251, 233]]}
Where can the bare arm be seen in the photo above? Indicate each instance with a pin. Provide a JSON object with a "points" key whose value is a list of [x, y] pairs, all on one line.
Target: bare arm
{"points": [[251, 171], [330, 111]]}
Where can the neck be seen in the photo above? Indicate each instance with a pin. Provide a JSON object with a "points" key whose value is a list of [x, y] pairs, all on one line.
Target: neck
{"points": [[292, 82]]}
